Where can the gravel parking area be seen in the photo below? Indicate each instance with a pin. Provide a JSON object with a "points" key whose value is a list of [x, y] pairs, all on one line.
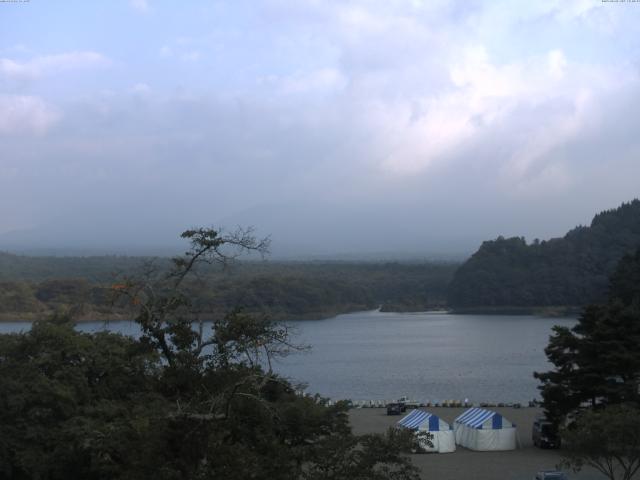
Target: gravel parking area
{"points": [[520, 464]]}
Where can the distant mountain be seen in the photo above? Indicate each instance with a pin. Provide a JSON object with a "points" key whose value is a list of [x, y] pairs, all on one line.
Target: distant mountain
{"points": [[568, 271]]}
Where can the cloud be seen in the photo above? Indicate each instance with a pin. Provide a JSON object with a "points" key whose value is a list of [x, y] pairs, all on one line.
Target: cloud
{"points": [[17, 48], [141, 6], [24, 114], [166, 51], [320, 80], [480, 96], [352, 117], [180, 52], [141, 88], [557, 64], [51, 64], [431, 107], [191, 56]]}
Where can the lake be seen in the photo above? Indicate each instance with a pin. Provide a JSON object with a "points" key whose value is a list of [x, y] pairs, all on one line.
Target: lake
{"points": [[425, 356]]}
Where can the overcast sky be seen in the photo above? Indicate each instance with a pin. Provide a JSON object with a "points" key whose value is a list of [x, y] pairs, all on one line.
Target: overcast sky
{"points": [[336, 126]]}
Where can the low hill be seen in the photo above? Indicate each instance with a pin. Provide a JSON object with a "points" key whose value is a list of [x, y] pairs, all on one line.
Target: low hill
{"points": [[568, 271]]}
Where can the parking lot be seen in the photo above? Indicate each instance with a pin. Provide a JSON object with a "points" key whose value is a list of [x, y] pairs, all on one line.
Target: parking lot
{"points": [[518, 464]]}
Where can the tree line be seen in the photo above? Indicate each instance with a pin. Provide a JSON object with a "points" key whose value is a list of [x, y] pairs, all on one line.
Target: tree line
{"points": [[504, 274], [568, 271], [181, 401], [294, 290], [592, 394]]}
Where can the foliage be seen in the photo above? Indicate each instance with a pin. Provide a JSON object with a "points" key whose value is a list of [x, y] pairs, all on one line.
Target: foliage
{"points": [[177, 403], [369, 457], [71, 403], [572, 270], [18, 297], [625, 282], [94, 269], [284, 290], [597, 362], [607, 440]]}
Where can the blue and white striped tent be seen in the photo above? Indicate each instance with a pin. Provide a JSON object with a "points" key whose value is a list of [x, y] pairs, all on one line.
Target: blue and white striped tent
{"points": [[443, 439], [484, 430]]}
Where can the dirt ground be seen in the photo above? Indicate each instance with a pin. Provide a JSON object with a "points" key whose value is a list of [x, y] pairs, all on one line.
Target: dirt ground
{"points": [[520, 464]]}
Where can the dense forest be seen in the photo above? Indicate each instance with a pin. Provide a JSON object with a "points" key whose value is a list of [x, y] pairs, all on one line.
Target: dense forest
{"points": [[568, 271], [31, 287], [504, 275], [178, 403], [592, 393]]}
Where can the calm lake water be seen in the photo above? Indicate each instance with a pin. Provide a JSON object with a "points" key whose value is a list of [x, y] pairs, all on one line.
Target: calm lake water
{"points": [[425, 356]]}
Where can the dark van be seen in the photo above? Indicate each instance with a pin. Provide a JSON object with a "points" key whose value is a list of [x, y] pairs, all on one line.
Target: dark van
{"points": [[545, 434]]}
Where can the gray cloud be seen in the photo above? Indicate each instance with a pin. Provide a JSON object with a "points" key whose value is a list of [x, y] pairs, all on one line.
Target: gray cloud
{"points": [[411, 129]]}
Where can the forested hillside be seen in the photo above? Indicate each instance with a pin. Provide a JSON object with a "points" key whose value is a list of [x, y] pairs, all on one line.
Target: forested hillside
{"points": [[568, 271], [94, 269], [33, 287]]}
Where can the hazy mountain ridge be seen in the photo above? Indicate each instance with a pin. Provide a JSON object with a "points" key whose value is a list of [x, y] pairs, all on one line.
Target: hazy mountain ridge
{"points": [[568, 271], [506, 273]]}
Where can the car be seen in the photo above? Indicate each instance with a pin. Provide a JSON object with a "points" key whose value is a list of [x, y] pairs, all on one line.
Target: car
{"points": [[394, 409], [544, 434], [403, 402], [550, 475]]}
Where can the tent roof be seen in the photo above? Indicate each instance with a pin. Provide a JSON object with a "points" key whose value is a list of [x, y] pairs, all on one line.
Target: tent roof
{"points": [[419, 417], [475, 417]]}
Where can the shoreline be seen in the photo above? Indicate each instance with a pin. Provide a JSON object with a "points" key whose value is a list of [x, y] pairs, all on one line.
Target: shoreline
{"points": [[559, 311], [547, 312]]}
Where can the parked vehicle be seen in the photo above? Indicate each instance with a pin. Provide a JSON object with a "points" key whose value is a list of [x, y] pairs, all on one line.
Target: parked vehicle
{"points": [[545, 434], [405, 402], [550, 475], [395, 409]]}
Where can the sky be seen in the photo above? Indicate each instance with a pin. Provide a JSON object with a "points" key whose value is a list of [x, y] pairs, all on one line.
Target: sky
{"points": [[337, 127]]}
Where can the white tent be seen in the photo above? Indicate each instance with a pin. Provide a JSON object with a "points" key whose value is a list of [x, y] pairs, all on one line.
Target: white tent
{"points": [[484, 430], [443, 439]]}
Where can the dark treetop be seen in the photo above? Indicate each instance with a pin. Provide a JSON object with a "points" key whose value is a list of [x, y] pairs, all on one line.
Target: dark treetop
{"points": [[568, 271]]}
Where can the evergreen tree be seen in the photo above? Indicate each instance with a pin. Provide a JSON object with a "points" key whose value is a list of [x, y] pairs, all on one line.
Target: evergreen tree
{"points": [[597, 362], [570, 271]]}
